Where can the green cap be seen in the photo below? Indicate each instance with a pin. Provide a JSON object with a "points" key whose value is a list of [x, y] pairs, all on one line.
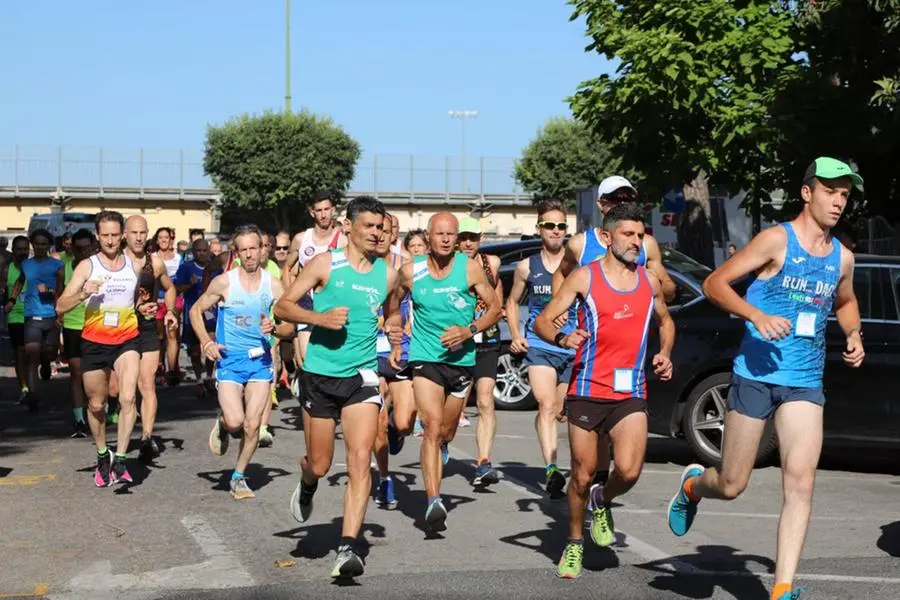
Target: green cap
{"points": [[470, 225], [831, 168]]}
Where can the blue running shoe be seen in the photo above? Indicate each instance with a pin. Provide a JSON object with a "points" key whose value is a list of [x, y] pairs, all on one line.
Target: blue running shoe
{"points": [[485, 474], [385, 497], [792, 595], [445, 453], [395, 440], [436, 516], [681, 509]]}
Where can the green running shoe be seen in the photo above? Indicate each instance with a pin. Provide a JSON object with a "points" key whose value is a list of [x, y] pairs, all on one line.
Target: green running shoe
{"points": [[570, 563]]}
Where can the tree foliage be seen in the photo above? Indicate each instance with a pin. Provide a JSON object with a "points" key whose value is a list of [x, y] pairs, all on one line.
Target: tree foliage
{"points": [[563, 157], [270, 167]]}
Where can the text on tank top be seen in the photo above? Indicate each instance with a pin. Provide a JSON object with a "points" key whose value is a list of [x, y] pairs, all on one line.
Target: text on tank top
{"points": [[436, 305], [238, 321], [610, 364], [343, 352], [538, 287], [109, 316], [802, 292]]}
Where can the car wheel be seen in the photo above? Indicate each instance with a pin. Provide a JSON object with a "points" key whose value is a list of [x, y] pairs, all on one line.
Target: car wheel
{"points": [[704, 421], [512, 390]]}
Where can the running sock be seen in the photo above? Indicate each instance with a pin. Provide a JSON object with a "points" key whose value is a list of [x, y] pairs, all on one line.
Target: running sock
{"points": [[549, 467], [236, 474], [78, 413], [433, 499], [101, 452], [780, 589], [689, 489], [484, 459], [349, 542], [579, 541], [121, 456]]}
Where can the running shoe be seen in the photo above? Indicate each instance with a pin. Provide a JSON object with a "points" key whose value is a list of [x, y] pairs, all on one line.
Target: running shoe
{"points": [[302, 501], [464, 421], [418, 428], [119, 472], [385, 497], [555, 483], [570, 563], [101, 473], [603, 530], [240, 490], [218, 438], [80, 430], [436, 515], [485, 474], [445, 453], [149, 450], [792, 595], [265, 437], [348, 563], [682, 510]]}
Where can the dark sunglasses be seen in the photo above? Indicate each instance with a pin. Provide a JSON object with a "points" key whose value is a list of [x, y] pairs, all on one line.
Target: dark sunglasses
{"points": [[282, 247], [551, 225]]}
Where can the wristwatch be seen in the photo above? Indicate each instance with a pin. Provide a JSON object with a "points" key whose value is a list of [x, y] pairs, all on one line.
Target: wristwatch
{"points": [[473, 329], [559, 338]]}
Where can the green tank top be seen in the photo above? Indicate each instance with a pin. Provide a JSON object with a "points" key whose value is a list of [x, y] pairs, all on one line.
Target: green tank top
{"points": [[343, 353], [436, 305], [74, 319], [17, 314]]}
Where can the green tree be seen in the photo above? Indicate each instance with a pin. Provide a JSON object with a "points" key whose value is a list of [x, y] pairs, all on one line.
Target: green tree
{"points": [[563, 157], [690, 102], [270, 167]]}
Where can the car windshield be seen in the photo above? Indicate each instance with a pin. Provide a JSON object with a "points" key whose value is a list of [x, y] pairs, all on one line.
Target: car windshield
{"points": [[684, 264], [79, 218]]}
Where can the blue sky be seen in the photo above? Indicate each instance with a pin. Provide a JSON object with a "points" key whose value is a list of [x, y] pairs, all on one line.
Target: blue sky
{"points": [[153, 74]]}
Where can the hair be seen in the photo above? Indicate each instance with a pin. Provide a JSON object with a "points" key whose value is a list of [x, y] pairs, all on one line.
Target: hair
{"points": [[248, 229], [363, 204], [199, 241], [110, 216], [83, 234], [168, 230], [195, 231], [546, 206], [40, 233], [624, 211], [20, 238], [283, 232], [412, 233], [322, 196]]}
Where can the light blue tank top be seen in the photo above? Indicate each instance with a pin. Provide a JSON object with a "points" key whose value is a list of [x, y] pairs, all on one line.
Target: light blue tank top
{"points": [[803, 292], [595, 250], [238, 322], [539, 292]]}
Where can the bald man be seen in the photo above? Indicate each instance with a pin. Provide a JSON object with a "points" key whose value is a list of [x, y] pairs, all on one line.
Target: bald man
{"points": [[445, 286], [152, 276]]}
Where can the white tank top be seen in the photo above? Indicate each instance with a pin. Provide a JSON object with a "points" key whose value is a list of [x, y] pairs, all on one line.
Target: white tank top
{"points": [[309, 248], [109, 316], [172, 264]]}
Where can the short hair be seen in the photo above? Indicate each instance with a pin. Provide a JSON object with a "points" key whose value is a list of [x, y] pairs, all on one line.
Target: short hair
{"points": [[412, 233], [40, 233], [623, 211], [248, 229], [198, 241], [110, 216], [83, 234], [362, 204], [195, 231], [546, 206], [324, 195], [20, 238]]}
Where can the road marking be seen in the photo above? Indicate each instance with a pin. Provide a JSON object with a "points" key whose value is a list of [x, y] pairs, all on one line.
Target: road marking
{"points": [[26, 479], [40, 590], [800, 576], [705, 513], [221, 569]]}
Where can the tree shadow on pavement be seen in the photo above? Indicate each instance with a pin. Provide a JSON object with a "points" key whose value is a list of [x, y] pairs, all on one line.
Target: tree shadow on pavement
{"points": [[698, 575], [257, 476], [890, 538], [317, 541], [533, 477]]}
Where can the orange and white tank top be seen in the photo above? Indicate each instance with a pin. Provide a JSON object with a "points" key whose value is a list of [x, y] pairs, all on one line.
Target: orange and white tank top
{"points": [[109, 316]]}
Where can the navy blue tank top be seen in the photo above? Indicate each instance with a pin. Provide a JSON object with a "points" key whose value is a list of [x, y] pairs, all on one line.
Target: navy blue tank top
{"points": [[538, 287]]}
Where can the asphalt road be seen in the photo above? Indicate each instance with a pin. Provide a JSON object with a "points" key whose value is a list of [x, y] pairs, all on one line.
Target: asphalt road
{"points": [[177, 533]]}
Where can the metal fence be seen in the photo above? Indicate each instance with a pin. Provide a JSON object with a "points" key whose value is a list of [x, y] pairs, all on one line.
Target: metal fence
{"points": [[66, 166]]}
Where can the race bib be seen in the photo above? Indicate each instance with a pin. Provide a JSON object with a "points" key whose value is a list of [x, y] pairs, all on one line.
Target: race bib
{"points": [[623, 381], [382, 344], [478, 337], [209, 315], [369, 377], [110, 319], [806, 325]]}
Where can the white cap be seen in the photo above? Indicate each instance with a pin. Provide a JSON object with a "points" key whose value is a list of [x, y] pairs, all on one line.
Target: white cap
{"points": [[613, 183]]}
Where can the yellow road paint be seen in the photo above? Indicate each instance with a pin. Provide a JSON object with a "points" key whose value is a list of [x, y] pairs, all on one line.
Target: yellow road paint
{"points": [[26, 480], [40, 590], [53, 461]]}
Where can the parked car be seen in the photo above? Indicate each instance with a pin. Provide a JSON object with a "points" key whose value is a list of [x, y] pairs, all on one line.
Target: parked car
{"points": [[61, 223]]}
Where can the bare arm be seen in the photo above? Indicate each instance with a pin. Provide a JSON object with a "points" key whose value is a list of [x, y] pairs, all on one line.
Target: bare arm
{"points": [[663, 318], [74, 293], [214, 294], [160, 272], [478, 282], [655, 266], [520, 278], [60, 280], [570, 260], [573, 285], [314, 275], [216, 262], [846, 309]]}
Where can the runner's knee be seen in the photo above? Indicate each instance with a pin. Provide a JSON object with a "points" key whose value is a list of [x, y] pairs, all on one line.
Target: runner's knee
{"points": [[733, 485], [799, 482], [318, 466]]}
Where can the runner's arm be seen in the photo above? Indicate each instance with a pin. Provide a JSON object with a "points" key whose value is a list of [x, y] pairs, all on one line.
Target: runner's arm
{"points": [[160, 272], [214, 294], [478, 282], [216, 262], [516, 291], [663, 317], [575, 284], [569, 261], [315, 274], [60, 279], [393, 318], [846, 307], [74, 293], [655, 266]]}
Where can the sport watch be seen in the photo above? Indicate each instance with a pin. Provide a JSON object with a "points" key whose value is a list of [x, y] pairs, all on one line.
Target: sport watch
{"points": [[473, 329]]}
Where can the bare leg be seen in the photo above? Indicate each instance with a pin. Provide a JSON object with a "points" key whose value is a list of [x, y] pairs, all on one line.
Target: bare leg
{"points": [[629, 438], [739, 447], [147, 386], [256, 396], [127, 366], [583, 447], [550, 402], [359, 423], [486, 428]]}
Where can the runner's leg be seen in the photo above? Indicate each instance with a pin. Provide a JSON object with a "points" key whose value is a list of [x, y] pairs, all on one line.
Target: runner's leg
{"points": [[127, 366], [380, 445], [95, 389], [430, 403], [404, 403], [629, 439], [583, 447], [359, 423], [739, 446], [231, 402], [147, 386], [550, 403], [256, 396]]}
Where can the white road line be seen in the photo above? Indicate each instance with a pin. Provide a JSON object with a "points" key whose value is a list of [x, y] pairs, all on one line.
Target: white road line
{"points": [[741, 515]]}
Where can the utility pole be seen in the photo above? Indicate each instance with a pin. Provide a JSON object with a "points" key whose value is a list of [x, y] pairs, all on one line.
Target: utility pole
{"points": [[462, 115], [287, 56]]}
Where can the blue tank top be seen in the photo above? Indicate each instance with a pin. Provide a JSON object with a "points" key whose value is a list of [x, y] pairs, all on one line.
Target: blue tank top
{"points": [[238, 322], [538, 287], [595, 250], [382, 343], [803, 292]]}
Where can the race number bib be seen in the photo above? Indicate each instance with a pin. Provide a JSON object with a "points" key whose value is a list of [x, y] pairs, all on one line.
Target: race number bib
{"points": [[369, 377], [623, 381], [110, 319], [806, 325]]}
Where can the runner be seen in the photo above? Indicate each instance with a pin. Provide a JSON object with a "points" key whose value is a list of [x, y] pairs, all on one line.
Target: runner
{"points": [[73, 322], [106, 285], [445, 287], [340, 381], [487, 354], [395, 423], [799, 270], [549, 366], [170, 337], [241, 350], [607, 394], [40, 282], [152, 275], [15, 311], [188, 281]]}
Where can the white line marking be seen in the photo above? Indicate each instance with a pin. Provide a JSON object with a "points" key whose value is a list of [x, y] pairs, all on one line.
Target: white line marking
{"points": [[741, 515], [221, 569]]}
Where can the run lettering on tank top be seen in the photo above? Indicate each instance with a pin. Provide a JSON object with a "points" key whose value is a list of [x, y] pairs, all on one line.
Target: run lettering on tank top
{"points": [[594, 249], [802, 292], [539, 290], [109, 316], [610, 364]]}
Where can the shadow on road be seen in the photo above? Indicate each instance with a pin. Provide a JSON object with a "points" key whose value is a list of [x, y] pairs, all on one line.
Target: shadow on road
{"points": [[257, 475], [737, 577], [890, 538], [317, 541]]}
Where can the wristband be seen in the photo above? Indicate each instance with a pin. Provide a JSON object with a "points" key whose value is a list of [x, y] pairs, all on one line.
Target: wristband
{"points": [[558, 339]]}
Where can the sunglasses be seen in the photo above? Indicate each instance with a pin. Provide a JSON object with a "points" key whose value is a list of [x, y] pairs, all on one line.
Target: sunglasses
{"points": [[282, 247], [551, 225]]}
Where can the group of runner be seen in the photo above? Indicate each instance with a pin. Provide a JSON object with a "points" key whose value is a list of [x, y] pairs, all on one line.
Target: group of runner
{"points": [[383, 332]]}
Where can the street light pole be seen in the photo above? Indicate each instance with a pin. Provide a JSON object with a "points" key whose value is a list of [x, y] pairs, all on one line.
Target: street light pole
{"points": [[462, 115], [287, 56]]}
